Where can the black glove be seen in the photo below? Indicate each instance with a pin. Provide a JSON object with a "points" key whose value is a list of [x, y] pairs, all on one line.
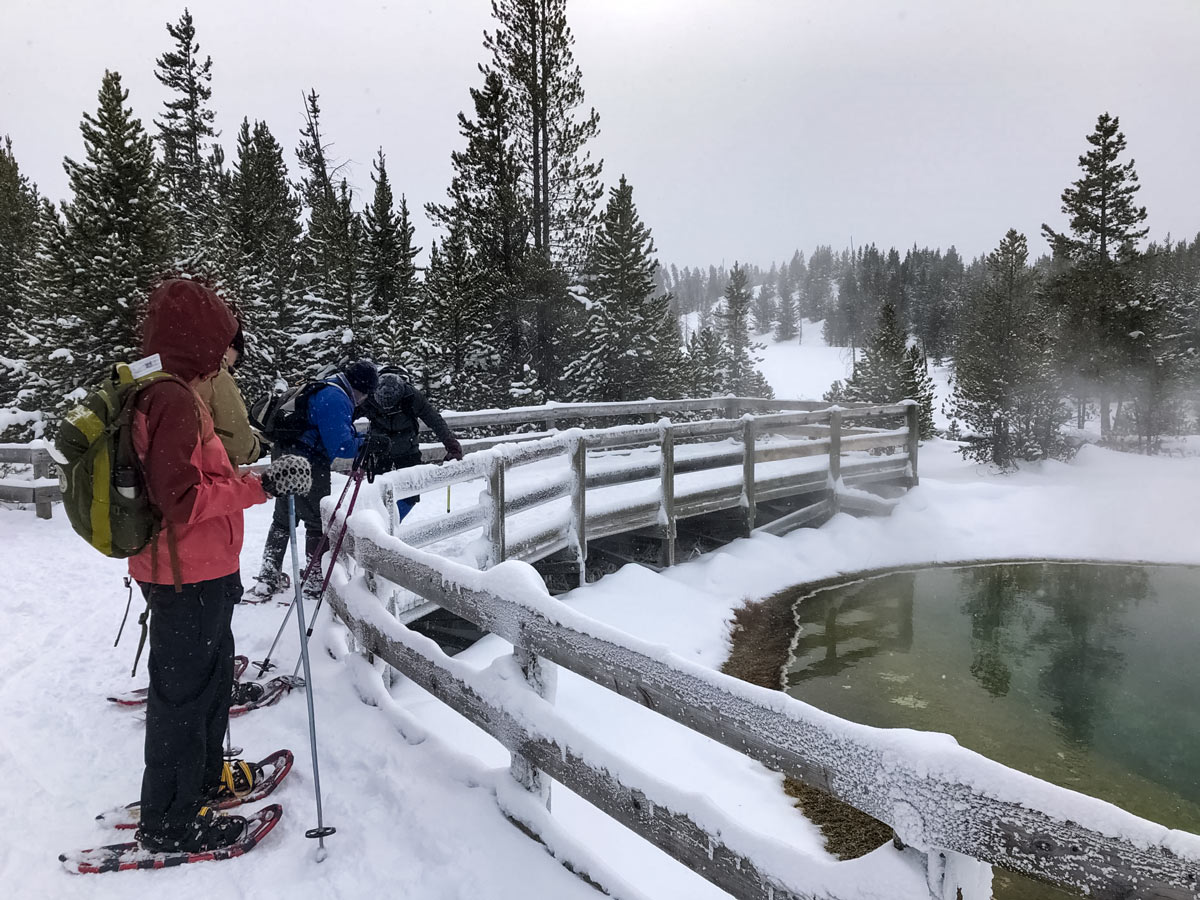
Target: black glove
{"points": [[288, 475], [453, 448], [374, 454]]}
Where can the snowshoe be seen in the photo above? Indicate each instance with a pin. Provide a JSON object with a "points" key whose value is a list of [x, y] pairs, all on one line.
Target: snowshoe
{"points": [[131, 855]]}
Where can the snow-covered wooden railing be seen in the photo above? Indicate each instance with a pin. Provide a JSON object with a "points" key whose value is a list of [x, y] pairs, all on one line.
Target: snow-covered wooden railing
{"points": [[733, 464], [942, 800], [43, 489]]}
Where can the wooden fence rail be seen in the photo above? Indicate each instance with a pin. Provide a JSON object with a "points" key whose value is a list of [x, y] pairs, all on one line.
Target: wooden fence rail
{"points": [[41, 491]]}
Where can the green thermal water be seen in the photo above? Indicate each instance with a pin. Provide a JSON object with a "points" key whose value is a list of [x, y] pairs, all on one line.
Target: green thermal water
{"points": [[1083, 675]]}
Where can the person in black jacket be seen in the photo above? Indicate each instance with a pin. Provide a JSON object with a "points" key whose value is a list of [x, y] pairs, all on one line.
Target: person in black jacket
{"points": [[393, 411]]}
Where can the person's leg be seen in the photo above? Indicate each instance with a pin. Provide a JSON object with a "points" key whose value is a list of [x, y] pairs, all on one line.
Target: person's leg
{"points": [[276, 546], [404, 507], [187, 644], [218, 713], [308, 511]]}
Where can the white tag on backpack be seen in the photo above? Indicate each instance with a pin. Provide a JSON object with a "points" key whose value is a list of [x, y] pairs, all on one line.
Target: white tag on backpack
{"points": [[145, 366]]}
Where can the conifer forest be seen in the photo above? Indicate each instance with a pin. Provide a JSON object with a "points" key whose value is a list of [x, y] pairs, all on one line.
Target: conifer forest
{"points": [[543, 281]]}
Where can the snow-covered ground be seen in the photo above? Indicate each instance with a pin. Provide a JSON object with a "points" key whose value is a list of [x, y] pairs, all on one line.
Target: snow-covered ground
{"points": [[416, 815]]}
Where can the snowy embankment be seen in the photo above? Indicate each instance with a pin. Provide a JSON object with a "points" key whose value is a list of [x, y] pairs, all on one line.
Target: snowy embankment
{"points": [[409, 784]]}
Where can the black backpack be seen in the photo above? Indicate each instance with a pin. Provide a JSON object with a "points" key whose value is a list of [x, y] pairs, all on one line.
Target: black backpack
{"points": [[282, 417]]}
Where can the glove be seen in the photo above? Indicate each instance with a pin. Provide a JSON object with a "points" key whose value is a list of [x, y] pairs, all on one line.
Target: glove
{"points": [[288, 475], [453, 448], [373, 456]]}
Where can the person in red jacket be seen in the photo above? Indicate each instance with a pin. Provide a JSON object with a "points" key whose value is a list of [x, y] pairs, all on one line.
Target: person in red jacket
{"points": [[189, 573]]}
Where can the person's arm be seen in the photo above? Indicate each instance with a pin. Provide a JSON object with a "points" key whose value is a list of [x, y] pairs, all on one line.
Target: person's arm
{"points": [[174, 481], [332, 412], [231, 422], [431, 417]]}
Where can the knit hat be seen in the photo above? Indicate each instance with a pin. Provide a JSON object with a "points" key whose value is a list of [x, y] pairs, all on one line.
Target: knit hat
{"points": [[362, 376], [387, 394]]}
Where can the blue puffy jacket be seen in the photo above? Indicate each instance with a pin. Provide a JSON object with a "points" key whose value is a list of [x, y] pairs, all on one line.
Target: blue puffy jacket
{"points": [[331, 417]]}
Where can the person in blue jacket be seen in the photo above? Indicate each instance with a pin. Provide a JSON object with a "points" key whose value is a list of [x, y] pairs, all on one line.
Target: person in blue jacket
{"points": [[329, 412]]}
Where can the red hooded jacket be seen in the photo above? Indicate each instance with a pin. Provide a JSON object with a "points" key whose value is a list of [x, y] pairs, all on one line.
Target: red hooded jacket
{"points": [[188, 474]]}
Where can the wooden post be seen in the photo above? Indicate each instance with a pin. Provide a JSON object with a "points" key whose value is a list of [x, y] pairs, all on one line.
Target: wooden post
{"points": [[835, 458], [540, 676], [579, 505], [748, 493], [914, 435], [495, 528], [667, 477], [41, 469], [732, 407]]}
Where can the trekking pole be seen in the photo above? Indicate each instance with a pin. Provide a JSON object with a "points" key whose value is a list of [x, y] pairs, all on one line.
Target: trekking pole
{"points": [[447, 498], [322, 830], [265, 665], [337, 547]]}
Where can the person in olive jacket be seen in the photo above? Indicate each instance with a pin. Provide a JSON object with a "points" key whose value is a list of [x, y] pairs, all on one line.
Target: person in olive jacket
{"points": [[228, 408], [394, 410]]}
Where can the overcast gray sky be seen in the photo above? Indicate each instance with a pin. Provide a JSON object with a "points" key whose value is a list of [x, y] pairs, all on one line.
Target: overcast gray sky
{"points": [[748, 128]]}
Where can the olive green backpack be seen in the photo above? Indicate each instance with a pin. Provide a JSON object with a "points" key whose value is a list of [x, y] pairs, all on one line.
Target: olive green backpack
{"points": [[103, 488]]}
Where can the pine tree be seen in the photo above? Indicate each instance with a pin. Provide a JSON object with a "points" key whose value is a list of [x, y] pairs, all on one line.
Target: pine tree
{"points": [[787, 325], [488, 207], [454, 356], [190, 171], [740, 377], [918, 386], [706, 363], [19, 211], [112, 245], [763, 310], [628, 350], [262, 231], [1105, 327], [1006, 389], [1104, 220], [878, 375], [389, 270], [335, 311], [532, 53]]}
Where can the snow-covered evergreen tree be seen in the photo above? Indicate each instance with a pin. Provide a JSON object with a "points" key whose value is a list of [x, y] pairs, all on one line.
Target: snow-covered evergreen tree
{"points": [[741, 375], [763, 309], [918, 386], [262, 230], [878, 375], [335, 310], [389, 270], [488, 206], [102, 261], [1007, 390], [629, 349], [453, 357], [532, 53], [19, 210], [706, 363], [190, 170]]}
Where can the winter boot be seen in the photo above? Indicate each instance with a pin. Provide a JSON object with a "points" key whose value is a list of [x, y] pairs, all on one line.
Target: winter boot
{"points": [[208, 831], [269, 584]]}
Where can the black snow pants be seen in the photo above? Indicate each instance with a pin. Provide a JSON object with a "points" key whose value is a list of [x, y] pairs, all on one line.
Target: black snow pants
{"points": [[308, 512], [191, 678]]}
